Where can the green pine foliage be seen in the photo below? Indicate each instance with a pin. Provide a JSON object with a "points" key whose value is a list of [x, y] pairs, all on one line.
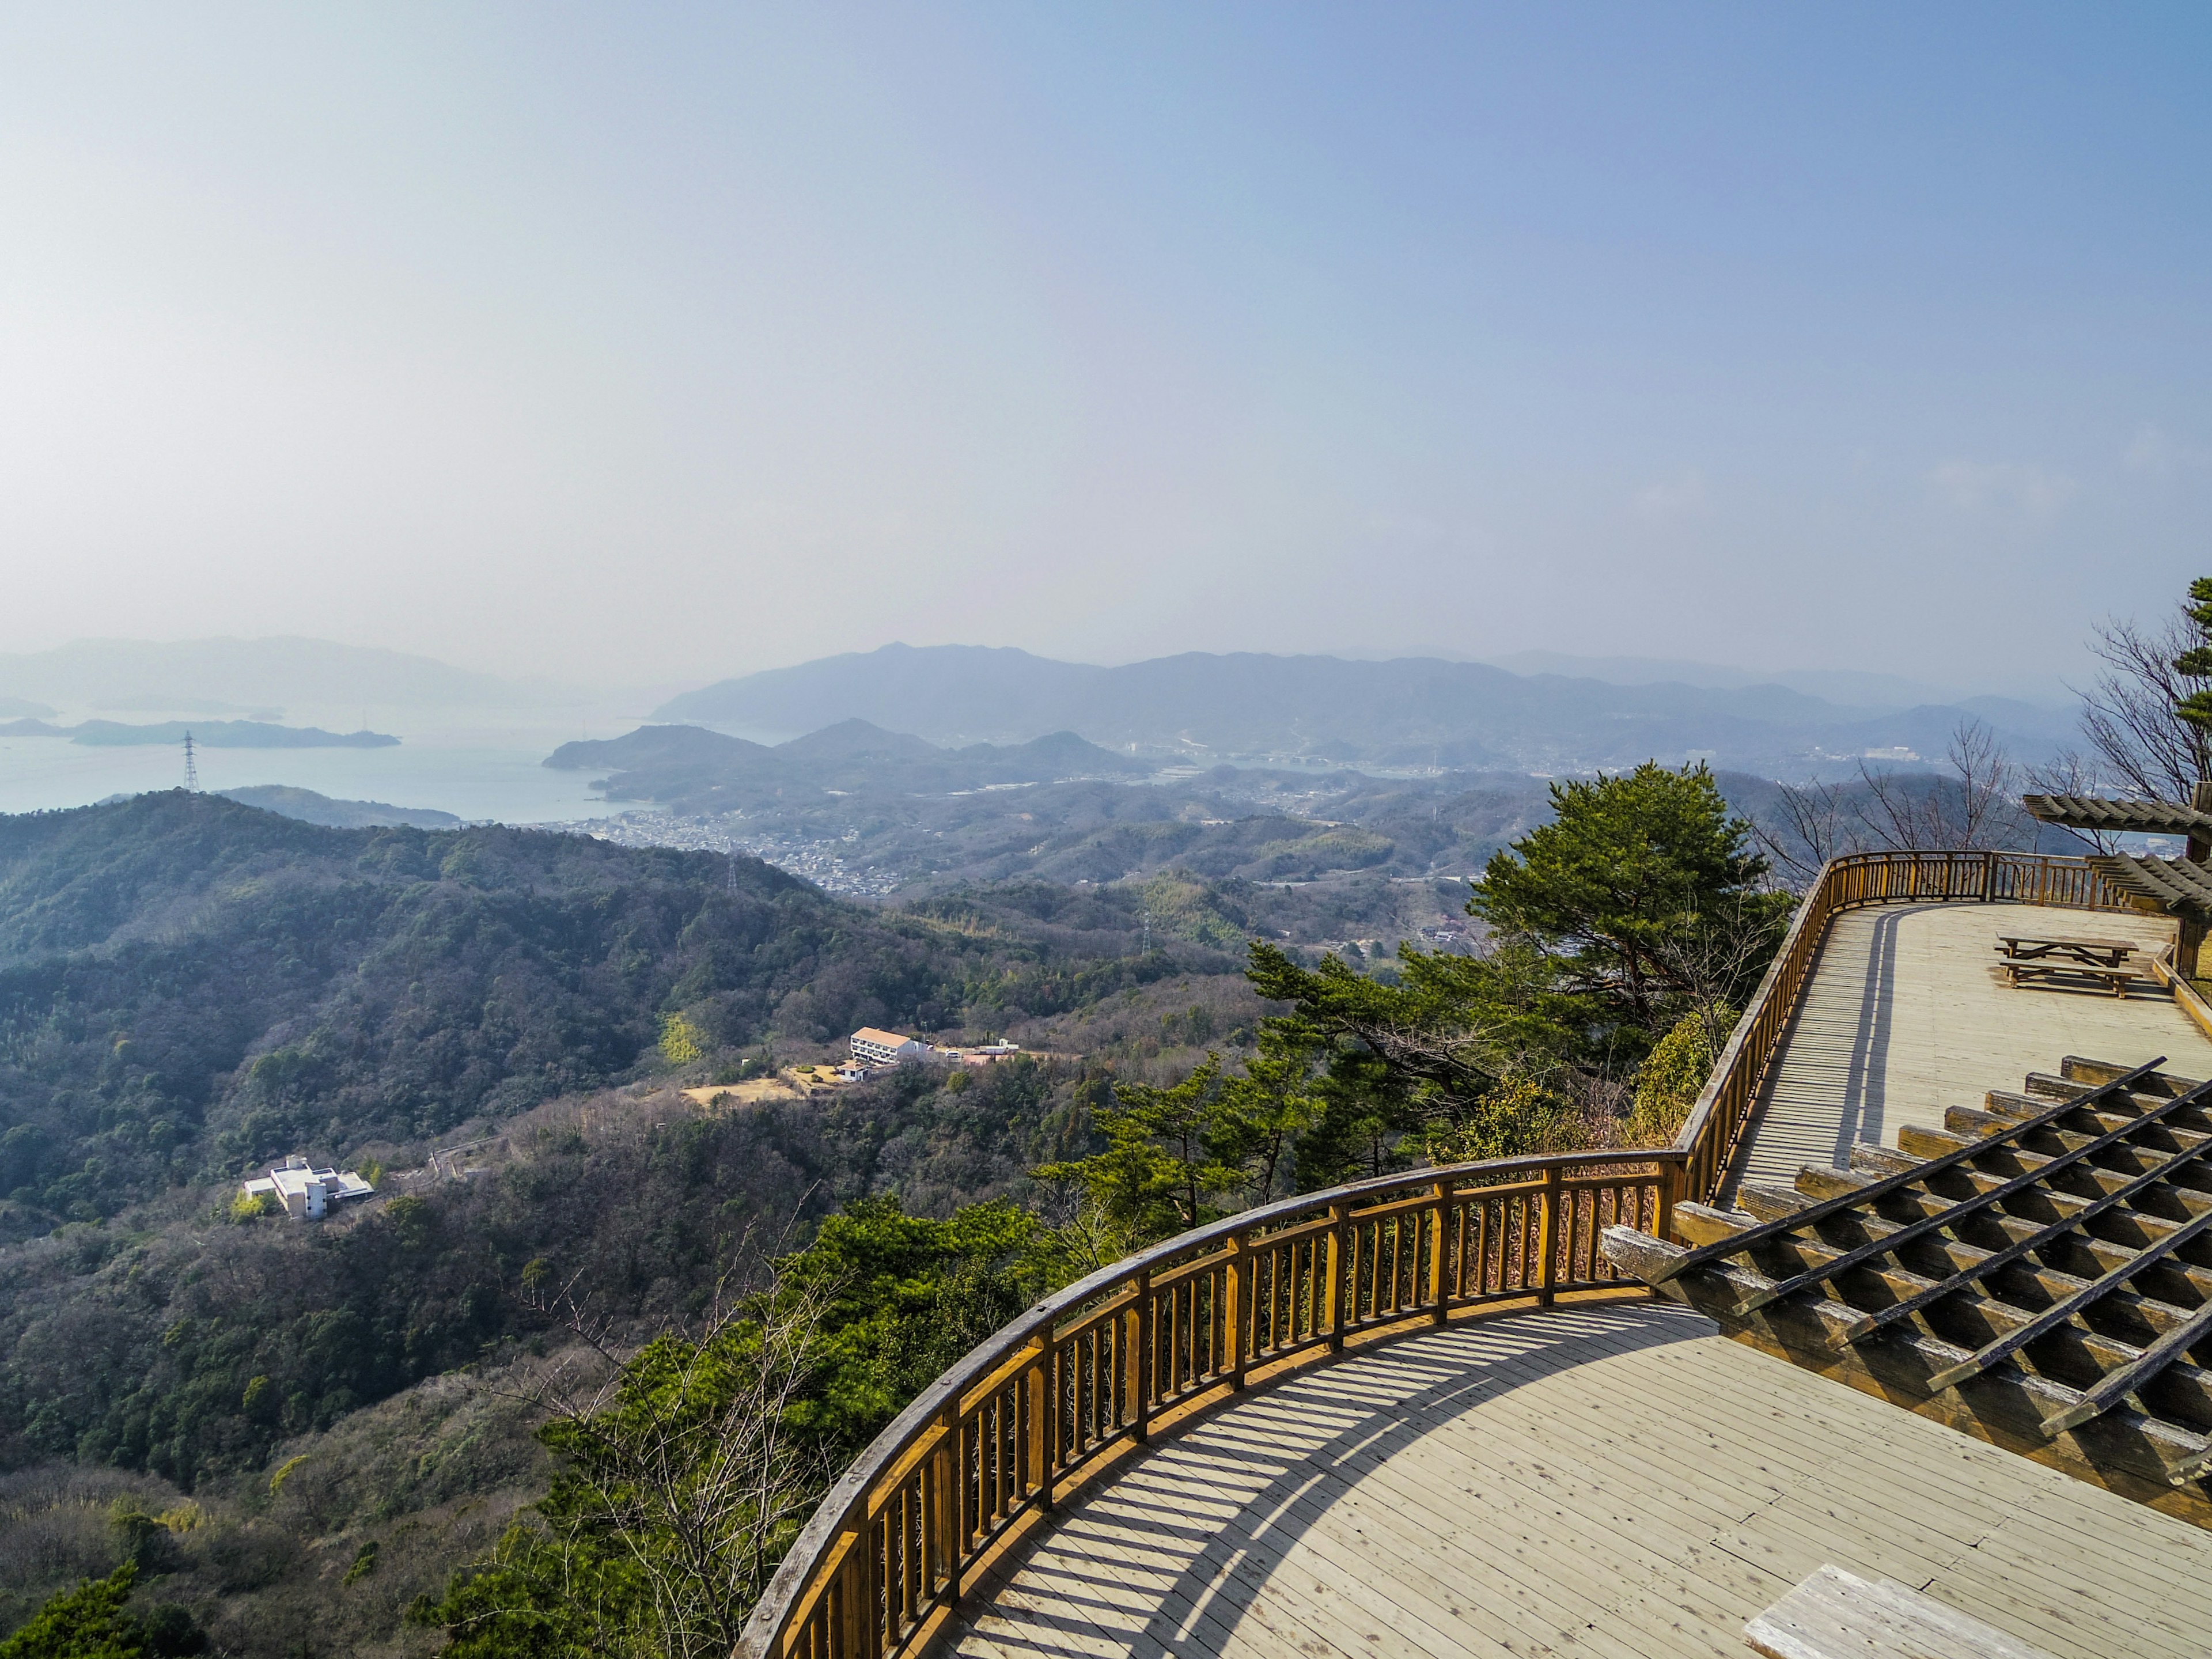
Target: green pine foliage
{"points": [[1639, 907], [1630, 870], [2196, 662], [95, 1620]]}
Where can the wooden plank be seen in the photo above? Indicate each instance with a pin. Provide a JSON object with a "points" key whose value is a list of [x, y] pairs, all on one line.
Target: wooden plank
{"points": [[1834, 1614]]}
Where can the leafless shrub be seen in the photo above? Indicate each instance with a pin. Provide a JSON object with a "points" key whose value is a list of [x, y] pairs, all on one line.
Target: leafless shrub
{"points": [[1976, 808], [2129, 713], [1712, 963], [693, 1469], [1815, 824]]}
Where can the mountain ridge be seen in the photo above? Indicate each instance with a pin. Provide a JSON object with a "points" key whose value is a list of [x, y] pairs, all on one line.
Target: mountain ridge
{"points": [[1407, 713]]}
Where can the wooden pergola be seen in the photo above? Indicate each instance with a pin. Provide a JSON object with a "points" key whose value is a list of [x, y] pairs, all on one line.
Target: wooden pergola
{"points": [[2182, 887], [2134, 817]]}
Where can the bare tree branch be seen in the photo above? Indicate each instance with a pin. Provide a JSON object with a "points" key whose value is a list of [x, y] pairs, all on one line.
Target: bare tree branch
{"points": [[1976, 808], [1815, 825], [693, 1470], [2128, 715]]}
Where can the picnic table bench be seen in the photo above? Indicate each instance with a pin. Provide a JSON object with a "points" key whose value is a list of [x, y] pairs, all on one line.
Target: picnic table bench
{"points": [[2081, 963]]}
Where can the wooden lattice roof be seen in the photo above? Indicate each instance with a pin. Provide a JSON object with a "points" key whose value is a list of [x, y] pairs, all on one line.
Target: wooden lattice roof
{"points": [[2039, 1273], [2142, 818], [2174, 884]]}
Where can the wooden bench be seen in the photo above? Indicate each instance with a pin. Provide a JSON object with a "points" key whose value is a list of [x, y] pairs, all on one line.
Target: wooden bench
{"points": [[1836, 1615], [2073, 976]]}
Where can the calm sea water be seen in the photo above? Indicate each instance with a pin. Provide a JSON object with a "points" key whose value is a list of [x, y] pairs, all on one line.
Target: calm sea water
{"points": [[486, 770]]}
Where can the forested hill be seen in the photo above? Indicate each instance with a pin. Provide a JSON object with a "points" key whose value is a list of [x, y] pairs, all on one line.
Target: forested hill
{"points": [[188, 984]]}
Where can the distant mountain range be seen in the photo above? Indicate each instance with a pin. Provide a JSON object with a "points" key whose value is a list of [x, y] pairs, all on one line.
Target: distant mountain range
{"points": [[208, 734], [1405, 713]]}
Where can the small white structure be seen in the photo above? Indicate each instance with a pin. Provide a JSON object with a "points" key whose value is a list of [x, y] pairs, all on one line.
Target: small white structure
{"points": [[873, 1048], [982, 1055], [306, 1192]]}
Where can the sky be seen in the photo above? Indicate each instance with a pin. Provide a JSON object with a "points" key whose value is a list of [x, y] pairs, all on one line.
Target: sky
{"points": [[662, 343]]}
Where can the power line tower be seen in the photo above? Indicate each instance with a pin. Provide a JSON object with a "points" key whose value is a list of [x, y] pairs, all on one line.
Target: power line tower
{"points": [[733, 874], [191, 768]]}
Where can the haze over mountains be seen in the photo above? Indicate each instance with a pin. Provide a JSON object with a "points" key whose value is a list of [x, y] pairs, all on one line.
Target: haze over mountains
{"points": [[244, 677], [1403, 713]]}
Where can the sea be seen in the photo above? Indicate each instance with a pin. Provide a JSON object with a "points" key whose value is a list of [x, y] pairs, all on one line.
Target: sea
{"points": [[481, 767]]}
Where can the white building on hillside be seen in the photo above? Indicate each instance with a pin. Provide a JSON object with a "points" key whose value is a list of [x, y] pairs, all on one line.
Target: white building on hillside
{"points": [[306, 1192], [873, 1048]]}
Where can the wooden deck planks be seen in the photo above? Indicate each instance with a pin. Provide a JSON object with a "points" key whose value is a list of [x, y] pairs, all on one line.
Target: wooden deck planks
{"points": [[1609, 1482], [1907, 1013]]}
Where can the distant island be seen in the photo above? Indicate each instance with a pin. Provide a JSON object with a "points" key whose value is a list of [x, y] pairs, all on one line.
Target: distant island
{"points": [[309, 807], [208, 734]]}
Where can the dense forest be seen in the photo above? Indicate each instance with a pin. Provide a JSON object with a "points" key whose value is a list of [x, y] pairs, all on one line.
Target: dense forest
{"points": [[371, 1435], [188, 985]]}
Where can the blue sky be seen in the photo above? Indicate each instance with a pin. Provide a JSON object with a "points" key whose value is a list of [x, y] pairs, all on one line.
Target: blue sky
{"points": [[577, 339]]}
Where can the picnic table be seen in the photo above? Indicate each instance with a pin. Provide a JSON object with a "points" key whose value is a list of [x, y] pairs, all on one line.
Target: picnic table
{"points": [[2087, 952], [2081, 963]]}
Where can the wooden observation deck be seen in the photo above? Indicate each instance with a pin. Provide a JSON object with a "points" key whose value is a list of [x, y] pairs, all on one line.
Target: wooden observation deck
{"points": [[1429, 1415]]}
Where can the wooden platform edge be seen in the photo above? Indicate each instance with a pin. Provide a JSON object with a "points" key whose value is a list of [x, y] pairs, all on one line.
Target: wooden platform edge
{"points": [[2190, 1000]]}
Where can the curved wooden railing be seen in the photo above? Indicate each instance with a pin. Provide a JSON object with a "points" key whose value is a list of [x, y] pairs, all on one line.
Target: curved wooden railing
{"points": [[1709, 1139], [1013, 1425], [1023, 1418]]}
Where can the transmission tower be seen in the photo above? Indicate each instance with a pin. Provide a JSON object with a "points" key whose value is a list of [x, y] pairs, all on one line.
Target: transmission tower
{"points": [[733, 872], [191, 768]]}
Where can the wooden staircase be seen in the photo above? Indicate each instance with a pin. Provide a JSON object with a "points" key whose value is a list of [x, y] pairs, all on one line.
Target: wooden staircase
{"points": [[2037, 1274]]}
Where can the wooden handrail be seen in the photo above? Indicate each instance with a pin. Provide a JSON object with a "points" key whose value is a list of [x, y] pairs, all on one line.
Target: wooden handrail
{"points": [[1018, 1421], [1714, 1134], [1010, 1427]]}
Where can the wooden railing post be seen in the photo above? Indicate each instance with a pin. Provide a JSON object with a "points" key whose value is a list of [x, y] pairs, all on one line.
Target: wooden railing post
{"points": [[1235, 1296], [1140, 1358], [952, 1485], [1670, 1177], [855, 1590], [1334, 1283], [1436, 1253], [1547, 1237], [935, 1574], [1044, 1408]]}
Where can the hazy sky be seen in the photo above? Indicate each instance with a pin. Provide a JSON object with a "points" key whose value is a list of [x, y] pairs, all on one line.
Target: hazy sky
{"points": [[632, 342]]}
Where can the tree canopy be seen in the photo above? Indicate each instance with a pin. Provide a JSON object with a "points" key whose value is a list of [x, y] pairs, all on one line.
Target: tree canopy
{"points": [[1617, 888]]}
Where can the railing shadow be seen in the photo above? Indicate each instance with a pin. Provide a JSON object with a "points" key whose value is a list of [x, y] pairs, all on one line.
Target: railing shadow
{"points": [[1184, 1547], [1866, 1097]]}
